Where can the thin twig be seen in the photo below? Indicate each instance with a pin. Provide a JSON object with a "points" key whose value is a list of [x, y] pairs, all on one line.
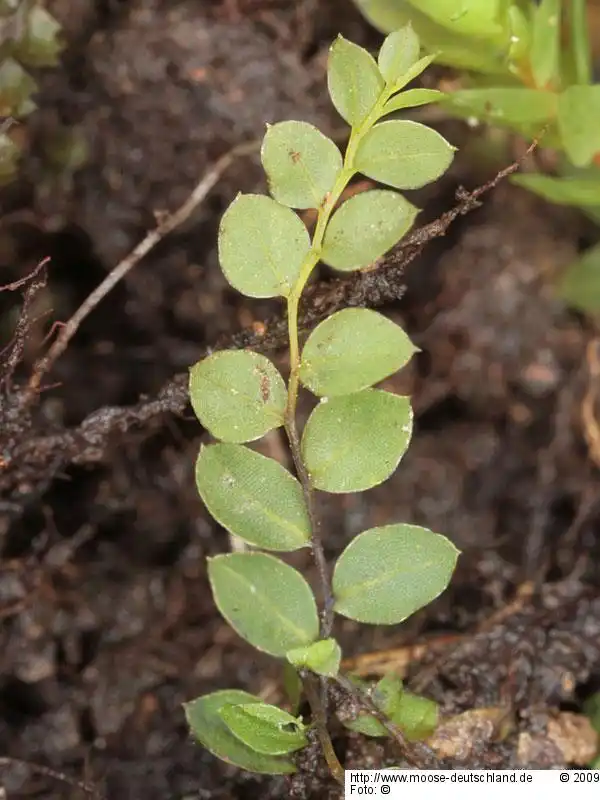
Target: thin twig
{"points": [[11, 287], [166, 224], [467, 201], [41, 769]]}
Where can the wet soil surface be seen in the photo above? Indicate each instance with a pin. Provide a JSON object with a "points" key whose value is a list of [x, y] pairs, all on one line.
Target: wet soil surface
{"points": [[106, 621]]}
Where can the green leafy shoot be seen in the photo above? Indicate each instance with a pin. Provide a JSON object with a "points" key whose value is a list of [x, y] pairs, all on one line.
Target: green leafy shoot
{"points": [[356, 434]]}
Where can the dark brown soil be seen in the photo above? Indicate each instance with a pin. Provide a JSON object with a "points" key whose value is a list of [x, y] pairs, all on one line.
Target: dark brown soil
{"points": [[106, 621]]}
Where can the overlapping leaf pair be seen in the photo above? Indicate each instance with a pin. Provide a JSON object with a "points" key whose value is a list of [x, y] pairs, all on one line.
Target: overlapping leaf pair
{"points": [[356, 434]]}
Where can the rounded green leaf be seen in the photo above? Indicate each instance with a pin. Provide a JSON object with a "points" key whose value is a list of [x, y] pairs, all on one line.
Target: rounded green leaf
{"points": [[322, 657], [237, 395], [353, 79], [262, 246], [578, 115], [301, 164], [351, 350], [206, 725], [386, 574], [365, 227], [265, 601], [399, 51], [354, 442], [253, 497], [264, 728], [403, 154]]}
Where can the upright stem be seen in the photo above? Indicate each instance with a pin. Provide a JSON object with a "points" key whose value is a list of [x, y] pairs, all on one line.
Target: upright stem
{"points": [[320, 720], [293, 303]]}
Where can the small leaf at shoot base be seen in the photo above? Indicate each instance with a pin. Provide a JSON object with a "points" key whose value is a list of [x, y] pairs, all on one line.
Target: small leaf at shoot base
{"points": [[264, 728], [206, 725], [322, 657]]}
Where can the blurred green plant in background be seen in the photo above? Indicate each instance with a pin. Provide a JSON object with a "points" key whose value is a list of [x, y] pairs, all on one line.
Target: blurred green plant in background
{"points": [[527, 67], [29, 39]]}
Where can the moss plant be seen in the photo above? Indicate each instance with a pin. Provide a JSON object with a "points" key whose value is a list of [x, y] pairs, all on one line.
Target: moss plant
{"points": [[29, 38], [353, 439], [528, 69]]}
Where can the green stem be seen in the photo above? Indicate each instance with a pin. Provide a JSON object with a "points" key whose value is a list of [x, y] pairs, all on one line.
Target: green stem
{"points": [[293, 303], [580, 42]]}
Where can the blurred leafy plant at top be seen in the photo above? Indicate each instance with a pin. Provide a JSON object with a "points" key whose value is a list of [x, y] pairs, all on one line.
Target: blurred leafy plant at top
{"points": [[354, 437], [527, 67], [29, 39]]}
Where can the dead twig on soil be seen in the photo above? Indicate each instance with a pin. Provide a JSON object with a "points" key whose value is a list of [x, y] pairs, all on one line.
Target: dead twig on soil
{"points": [[166, 223], [36, 281]]}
